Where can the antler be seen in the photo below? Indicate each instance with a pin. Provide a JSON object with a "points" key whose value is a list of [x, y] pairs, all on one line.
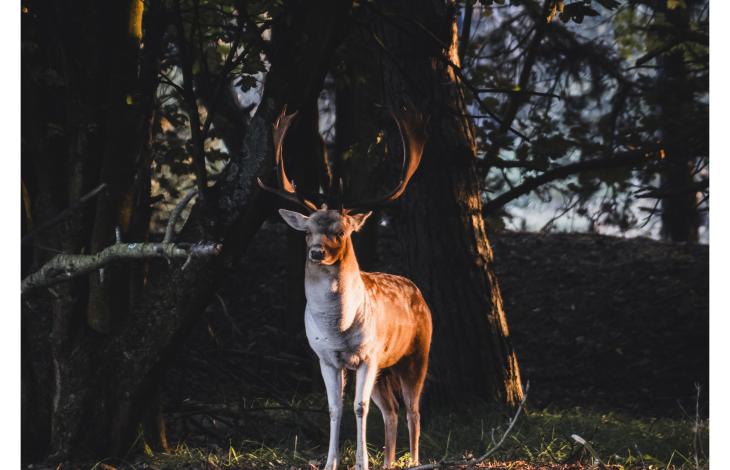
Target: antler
{"points": [[288, 190], [413, 136], [412, 130]]}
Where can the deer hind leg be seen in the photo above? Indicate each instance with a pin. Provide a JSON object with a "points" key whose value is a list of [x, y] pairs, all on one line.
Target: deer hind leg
{"points": [[334, 381], [384, 398], [411, 381], [366, 374]]}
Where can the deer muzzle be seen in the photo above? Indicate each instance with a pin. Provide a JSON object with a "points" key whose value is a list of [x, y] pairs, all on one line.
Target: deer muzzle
{"points": [[316, 253]]}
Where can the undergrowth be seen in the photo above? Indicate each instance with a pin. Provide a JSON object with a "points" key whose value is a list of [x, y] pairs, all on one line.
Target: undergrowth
{"points": [[541, 439]]}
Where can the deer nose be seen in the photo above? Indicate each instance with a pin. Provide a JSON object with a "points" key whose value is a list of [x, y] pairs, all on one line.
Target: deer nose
{"points": [[316, 254]]}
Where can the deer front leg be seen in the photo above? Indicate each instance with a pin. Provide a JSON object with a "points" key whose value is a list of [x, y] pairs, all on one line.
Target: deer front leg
{"points": [[334, 382], [363, 390]]}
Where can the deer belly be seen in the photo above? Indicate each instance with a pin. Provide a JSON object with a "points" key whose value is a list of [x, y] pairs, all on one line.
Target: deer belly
{"points": [[338, 349]]}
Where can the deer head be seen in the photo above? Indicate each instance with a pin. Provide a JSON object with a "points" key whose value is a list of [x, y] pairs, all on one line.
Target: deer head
{"points": [[328, 231]]}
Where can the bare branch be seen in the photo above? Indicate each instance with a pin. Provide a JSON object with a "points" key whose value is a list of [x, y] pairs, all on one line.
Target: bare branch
{"points": [[175, 214], [518, 92], [517, 100], [470, 463], [68, 266], [64, 266], [663, 193], [587, 445], [485, 164], [191, 101], [632, 157], [63, 214], [168, 81], [228, 66]]}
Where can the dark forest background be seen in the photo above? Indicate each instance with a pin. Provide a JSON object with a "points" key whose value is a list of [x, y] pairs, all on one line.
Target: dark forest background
{"points": [[162, 300]]}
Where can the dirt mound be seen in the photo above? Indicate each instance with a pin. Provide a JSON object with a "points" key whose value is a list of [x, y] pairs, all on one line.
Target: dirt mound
{"points": [[596, 321], [605, 321]]}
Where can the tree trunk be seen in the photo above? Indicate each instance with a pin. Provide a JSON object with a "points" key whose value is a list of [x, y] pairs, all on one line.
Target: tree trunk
{"points": [[63, 165], [679, 214], [89, 399], [440, 225]]}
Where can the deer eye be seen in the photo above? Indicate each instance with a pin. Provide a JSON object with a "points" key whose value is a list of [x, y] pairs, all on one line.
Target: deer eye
{"points": [[341, 234]]}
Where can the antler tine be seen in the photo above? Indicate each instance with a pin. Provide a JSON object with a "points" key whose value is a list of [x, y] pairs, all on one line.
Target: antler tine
{"points": [[288, 190], [412, 130]]}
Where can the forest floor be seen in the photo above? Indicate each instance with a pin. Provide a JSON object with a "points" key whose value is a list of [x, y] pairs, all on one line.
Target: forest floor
{"points": [[611, 333]]}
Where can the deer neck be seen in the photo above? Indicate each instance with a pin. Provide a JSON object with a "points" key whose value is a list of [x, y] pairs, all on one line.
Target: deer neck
{"points": [[337, 289]]}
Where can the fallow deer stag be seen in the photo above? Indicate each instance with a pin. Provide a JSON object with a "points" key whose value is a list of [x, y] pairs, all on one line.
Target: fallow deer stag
{"points": [[374, 323]]}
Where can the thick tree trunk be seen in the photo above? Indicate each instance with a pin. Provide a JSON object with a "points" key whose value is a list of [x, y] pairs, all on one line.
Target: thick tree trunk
{"points": [[96, 388], [64, 165], [440, 226], [355, 158], [129, 101], [679, 212]]}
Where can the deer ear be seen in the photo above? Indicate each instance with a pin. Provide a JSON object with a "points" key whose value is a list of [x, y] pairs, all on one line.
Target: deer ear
{"points": [[358, 220], [295, 220]]}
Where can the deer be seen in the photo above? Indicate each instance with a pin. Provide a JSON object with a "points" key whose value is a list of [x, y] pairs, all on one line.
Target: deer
{"points": [[376, 324]]}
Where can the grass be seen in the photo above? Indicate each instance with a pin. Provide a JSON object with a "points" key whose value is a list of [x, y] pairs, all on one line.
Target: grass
{"points": [[541, 439]]}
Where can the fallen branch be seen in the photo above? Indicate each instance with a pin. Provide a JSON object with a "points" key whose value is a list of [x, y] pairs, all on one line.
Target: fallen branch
{"points": [[587, 445], [490, 451], [67, 266]]}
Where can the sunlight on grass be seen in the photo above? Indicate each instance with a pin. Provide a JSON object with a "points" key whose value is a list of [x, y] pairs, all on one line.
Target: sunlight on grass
{"points": [[542, 438]]}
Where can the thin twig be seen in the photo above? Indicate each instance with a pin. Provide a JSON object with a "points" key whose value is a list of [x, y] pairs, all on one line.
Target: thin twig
{"points": [[175, 214], [228, 66], [519, 92], [549, 224], [587, 445], [629, 158], [191, 101], [64, 213], [168, 81], [490, 451], [698, 422], [224, 309]]}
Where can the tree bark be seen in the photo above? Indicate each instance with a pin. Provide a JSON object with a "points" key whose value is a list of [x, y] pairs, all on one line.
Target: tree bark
{"points": [[440, 225], [679, 212], [67, 80], [358, 115]]}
